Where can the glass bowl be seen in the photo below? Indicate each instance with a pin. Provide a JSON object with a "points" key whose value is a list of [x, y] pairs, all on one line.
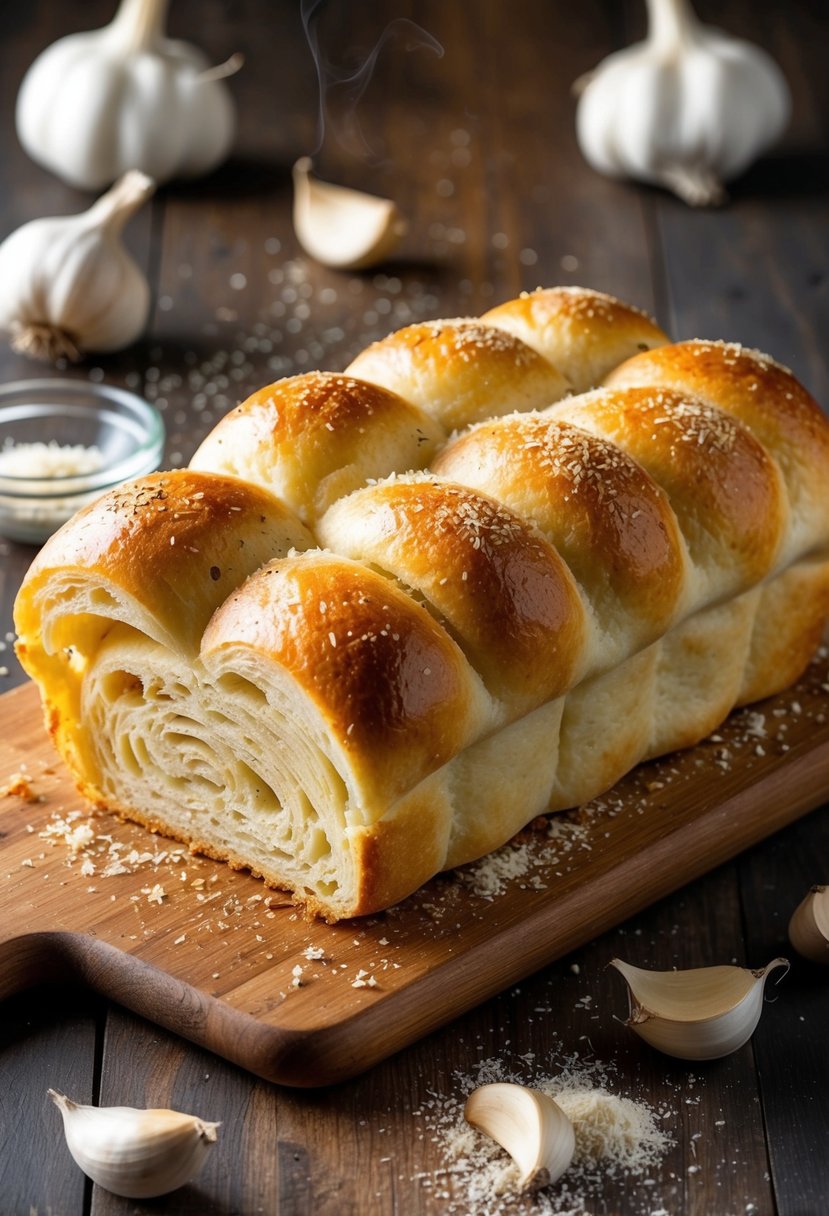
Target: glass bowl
{"points": [[116, 436]]}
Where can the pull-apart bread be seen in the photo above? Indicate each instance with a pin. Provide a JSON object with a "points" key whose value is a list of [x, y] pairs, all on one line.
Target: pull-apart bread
{"points": [[387, 617]]}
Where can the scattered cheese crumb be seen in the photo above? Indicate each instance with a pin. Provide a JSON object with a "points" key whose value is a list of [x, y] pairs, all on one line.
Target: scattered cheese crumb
{"points": [[614, 1135], [364, 980]]}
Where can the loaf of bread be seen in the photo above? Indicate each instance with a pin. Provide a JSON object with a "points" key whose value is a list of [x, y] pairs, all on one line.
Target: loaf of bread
{"points": [[387, 617]]}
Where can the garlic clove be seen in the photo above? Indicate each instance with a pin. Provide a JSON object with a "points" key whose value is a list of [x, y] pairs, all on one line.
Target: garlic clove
{"points": [[135, 1153], [809, 926], [532, 1128], [343, 228], [700, 1014]]}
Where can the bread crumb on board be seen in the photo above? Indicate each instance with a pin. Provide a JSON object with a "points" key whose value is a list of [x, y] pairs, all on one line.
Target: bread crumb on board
{"points": [[19, 785]]}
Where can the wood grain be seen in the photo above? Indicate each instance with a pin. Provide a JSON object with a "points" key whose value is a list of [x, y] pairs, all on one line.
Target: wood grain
{"points": [[792, 1063], [215, 961]]}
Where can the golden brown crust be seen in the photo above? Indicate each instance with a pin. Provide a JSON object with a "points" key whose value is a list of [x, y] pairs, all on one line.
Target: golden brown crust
{"points": [[493, 581], [393, 690], [607, 518], [174, 543], [722, 484], [583, 333], [764, 396], [461, 371], [312, 438]]}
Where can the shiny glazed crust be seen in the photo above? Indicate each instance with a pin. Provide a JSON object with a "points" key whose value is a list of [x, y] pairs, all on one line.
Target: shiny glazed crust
{"points": [[347, 648]]}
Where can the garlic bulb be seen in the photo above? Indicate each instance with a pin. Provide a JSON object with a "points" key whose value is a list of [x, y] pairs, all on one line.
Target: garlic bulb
{"points": [[689, 108], [68, 286], [532, 1128], [700, 1014], [96, 104], [809, 926], [343, 228], [135, 1153]]}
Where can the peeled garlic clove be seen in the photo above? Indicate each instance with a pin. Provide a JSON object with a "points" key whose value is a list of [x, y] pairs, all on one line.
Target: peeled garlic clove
{"points": [[532, 1128], [700, 1014], [343, 228], [135, 1153], [809, 926]]}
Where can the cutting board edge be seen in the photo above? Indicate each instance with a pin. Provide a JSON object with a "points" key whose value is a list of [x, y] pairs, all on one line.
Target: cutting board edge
{"points": [[335, 1052], [326, 1043]]}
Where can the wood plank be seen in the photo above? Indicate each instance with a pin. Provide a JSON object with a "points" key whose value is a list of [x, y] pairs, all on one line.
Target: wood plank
{"points": [[755, 272], [792, 1063], [373, 1146], [144, 1066], [215, 963], [38, 1055], [714, 1115]]}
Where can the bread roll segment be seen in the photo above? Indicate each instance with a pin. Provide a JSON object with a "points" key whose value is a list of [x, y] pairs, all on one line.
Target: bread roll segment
{"points": [[346, 650], [607, 518], [495, 584], [585, 334], [313, 438], [461, 371]]}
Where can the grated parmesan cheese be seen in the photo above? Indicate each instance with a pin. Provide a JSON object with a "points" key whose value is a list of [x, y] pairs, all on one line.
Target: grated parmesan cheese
{"points": [[615, 1136], [49, 460], [611, 1128], [31, 503]]}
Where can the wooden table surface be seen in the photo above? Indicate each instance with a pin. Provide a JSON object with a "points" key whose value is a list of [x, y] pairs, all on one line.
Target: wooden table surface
{"points": [[478, 148]]}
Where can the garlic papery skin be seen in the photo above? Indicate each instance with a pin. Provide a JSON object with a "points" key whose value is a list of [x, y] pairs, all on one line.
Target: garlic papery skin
{"points": [[699, 1014], [688, 109], [135, 1153], [96, 104], [68, 285], [532, 1128], [809, 926], [343, 228]]}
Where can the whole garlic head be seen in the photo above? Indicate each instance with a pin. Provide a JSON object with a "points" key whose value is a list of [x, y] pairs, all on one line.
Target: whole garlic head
{"points": [[68, 285], [688, 109], [96, 104]]}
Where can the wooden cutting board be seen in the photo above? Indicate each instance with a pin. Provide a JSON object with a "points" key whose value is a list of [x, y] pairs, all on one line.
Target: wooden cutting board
{"points": [[216, 957]]}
